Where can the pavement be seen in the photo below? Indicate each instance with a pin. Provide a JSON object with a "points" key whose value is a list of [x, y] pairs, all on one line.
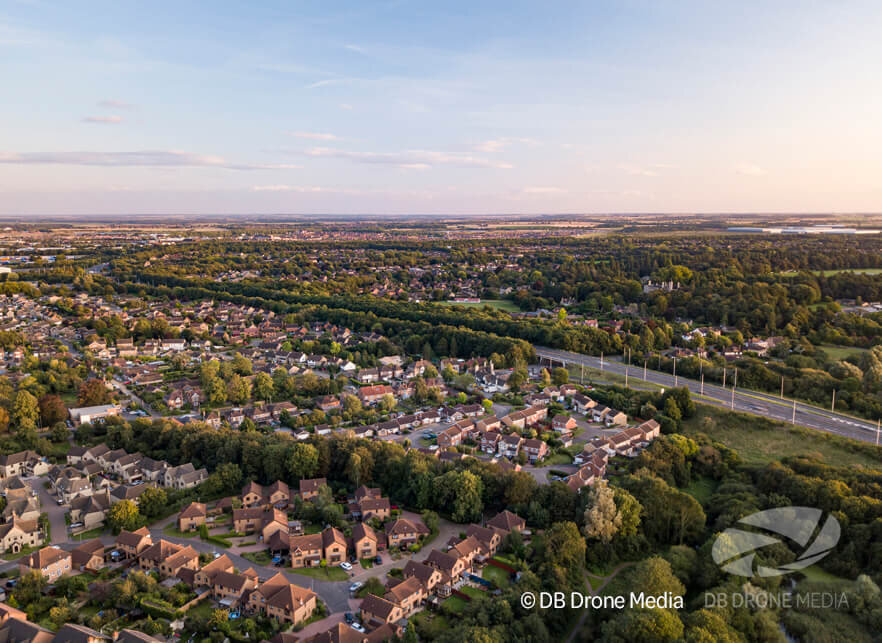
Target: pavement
{"points": [[50, 506], [745, 401]]}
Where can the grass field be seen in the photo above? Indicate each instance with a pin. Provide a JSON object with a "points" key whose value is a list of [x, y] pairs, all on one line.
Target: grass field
{"points": [[496, 575], [558, 458], [258, 557], [501, 304], [760, 441], [454, 605], [829, 273], [701, 489], [319, 573], [816, 574], [841, 352]]}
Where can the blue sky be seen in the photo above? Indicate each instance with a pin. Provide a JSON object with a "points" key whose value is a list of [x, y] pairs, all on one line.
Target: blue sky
{"points": [[396, 107]]}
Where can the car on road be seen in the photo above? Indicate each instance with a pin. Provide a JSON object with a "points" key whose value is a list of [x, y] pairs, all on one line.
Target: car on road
{"points": [[357, 585], [346, 566], [358, 627]]}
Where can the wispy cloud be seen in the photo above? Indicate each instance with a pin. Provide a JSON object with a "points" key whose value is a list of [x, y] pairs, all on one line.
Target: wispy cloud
{"points": [[497, 144], [411, 159], [115, 104], [317, 136], [327, 82], [105, 120], [653, 169], [355, 48], [749, 169], [142, 158]]}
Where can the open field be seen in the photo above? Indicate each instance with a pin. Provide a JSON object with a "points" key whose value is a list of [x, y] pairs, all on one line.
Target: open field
{"points": [[760, 441], [501, 304], [841, 352], [829, 273], [701, 489]]}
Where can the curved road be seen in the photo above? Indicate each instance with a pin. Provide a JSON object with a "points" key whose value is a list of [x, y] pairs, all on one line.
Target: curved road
{"points": [[746, 401]]}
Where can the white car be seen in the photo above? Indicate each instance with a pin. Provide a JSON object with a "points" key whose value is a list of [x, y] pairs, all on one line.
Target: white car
{"points": [[346, 566], [358, 627], [357, 585]]}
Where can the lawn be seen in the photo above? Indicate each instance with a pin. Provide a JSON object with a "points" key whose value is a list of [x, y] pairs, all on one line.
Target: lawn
{"points": [[258, 557], [430, 625], [841, 352], [88, 535], [172, 530], [454, 605], [558, 458], [496, 575], [760, 441], [474, 592], [501, 304], [818, 575], [701, 489], [319, 573], [367, 563]]}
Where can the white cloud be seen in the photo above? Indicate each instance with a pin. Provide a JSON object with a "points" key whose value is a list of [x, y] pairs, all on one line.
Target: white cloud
{"points": [[318, 136], [497, 144], [749, 169], [355, 48], [115, 104], [639, 170], [141, 158], [411, 159], [346, 106], [105, 120]]}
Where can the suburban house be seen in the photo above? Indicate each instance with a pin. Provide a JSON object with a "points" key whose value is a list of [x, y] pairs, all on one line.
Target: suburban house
{"points": [[133, 543], [365, 542], [50, 562], [403, 532], [192, 516], [309, 488]]}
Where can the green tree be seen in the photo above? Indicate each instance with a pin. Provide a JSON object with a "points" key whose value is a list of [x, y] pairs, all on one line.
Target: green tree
{"points": [[124, 515], [602, 519], [560, 376], [153, 502], [25, 410], [263, 387]]}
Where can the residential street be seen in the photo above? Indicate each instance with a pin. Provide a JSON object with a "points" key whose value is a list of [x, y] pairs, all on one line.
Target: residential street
{"points": [[50, 506]]}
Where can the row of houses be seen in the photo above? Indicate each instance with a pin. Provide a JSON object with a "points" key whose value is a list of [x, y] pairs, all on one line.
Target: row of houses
{"points": [[440, 573], [595, 455], [15, 627]]}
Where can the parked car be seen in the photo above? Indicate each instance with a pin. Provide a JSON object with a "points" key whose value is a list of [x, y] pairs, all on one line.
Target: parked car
{"points": [[378, 560], [357, 585], [349, 618], [346, 566], [358, 627]]}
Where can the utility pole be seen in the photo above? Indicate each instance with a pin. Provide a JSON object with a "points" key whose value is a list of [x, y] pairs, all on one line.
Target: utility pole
{"points": [[644, 369], [582, 374], [702, 383], [833, 403], [724, 377], [733, 389], [601, 361], [675, 372], [793, 417], [782, 387]]}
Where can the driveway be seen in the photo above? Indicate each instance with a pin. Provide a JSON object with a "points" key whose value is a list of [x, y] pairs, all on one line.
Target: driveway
{"points": [[50, 506]]}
